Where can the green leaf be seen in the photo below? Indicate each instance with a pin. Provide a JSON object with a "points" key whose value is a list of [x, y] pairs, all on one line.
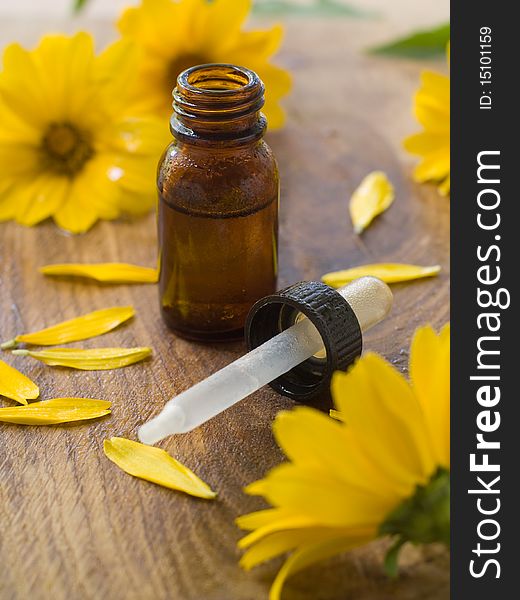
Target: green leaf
{"points": [[420, 44], [391, 563], [318, 8], [79, 5]]}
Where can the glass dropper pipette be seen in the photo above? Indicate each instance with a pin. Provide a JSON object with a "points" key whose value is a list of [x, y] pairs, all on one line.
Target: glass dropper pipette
{"points": [[369, 298]]}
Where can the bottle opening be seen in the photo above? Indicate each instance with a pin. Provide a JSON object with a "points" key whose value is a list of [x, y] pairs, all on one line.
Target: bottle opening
{"points": [[218, 102], [218, 78]]}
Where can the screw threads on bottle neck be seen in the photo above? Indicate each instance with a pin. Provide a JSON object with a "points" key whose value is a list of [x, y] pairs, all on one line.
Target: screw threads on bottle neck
{"points": [[218, 104]]}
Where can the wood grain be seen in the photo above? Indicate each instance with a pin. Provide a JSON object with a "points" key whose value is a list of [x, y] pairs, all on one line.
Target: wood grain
{"points": [[72, 524]]}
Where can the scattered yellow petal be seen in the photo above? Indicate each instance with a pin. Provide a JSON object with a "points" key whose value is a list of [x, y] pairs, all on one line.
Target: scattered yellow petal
{"points": [[57, 410], [15, 385], [155, 465], [95, 359], [373, 196], [104, 272], [387, 272], [73, 330]]}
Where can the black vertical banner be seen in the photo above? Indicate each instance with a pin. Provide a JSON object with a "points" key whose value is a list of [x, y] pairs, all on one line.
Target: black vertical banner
{"points": [[485, 204]]}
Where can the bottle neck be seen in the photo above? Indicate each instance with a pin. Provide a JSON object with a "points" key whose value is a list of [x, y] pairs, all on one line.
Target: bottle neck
{"points": [[218, 105]]}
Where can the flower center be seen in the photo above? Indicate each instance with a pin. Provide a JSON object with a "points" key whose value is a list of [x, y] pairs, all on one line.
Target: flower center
{"points": [[180, 64], [65, 148]]}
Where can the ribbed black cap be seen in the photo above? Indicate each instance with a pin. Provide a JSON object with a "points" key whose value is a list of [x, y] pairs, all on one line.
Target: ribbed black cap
{"points": [[333, 318]]}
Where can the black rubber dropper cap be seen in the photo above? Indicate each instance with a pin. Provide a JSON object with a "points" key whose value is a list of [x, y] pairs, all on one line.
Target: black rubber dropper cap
{"points": [[332, 316]]}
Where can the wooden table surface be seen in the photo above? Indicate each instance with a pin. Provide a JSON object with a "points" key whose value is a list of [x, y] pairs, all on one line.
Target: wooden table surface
{"points": [[72, 524]]}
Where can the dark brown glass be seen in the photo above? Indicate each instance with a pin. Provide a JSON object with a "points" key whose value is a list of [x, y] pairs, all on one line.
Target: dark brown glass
{"points": [[218, 204]]}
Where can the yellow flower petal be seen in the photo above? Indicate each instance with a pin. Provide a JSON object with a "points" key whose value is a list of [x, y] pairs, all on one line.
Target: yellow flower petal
{"points": [[432, 117], [115, 71], [15, 385], [261, 518], [15, 130], [273, 545], [280, 525], [432, 111], [320, 495], [380, 408], [41, 198], [20, 95], [434, 166], [279, 542], [425, 142], [226, 15], [434, 92], [155, 465], [310, 554], [260, 44], [105, 272], [387, 272], [57, 410], [311, 439], [95, 359], [81, 209], [280, 85], [73, 330], [430, 375], [373, 196], [7, 204]]}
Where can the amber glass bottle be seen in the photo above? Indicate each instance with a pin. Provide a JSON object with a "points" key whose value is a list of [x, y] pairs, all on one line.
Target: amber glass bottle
{"points": [[218, 204]]}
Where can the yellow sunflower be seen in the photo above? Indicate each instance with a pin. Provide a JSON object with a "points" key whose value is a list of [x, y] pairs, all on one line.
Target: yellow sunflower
{"points": [[380, 468], [432, 110], [69, 146], [174, 35]]}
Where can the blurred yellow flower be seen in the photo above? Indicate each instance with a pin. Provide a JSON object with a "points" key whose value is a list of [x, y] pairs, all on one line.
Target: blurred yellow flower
{"points": [[69, 146], [432, 110], [174, 35], [381, 469]]}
